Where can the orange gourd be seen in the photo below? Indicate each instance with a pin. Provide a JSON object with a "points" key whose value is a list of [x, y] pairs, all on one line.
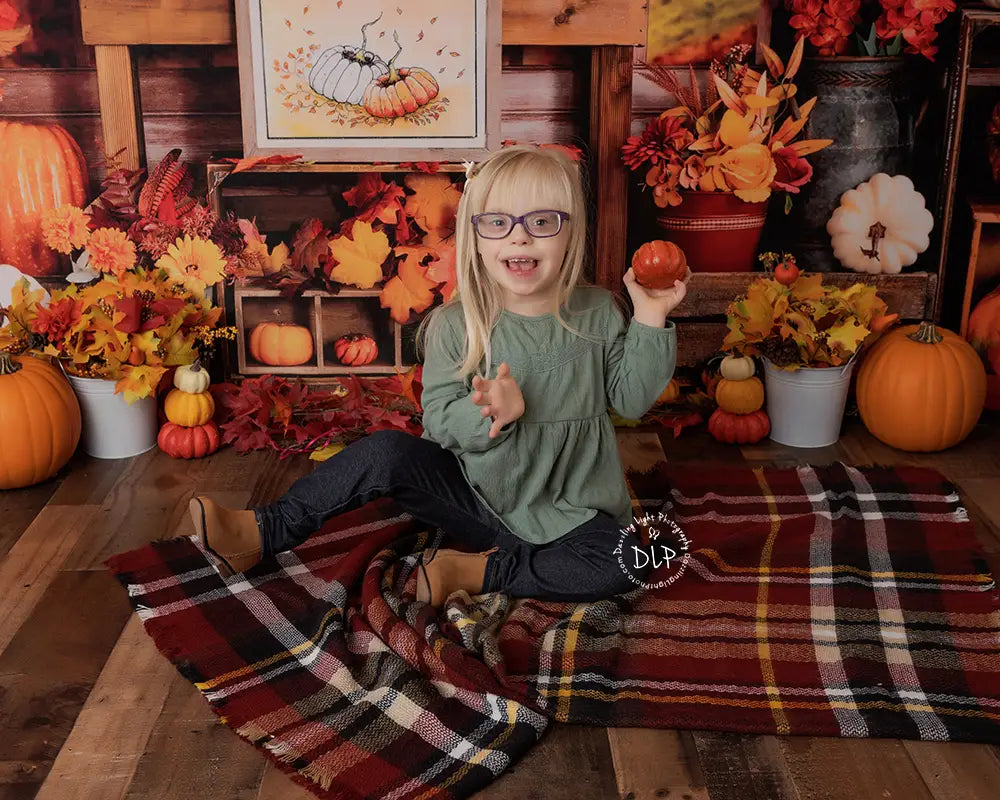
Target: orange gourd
{"points": [[355, 349], [400, 91], [669, 395], [740, 397], [41, 167], [921, 388], [39, 420], [658, 264], [984, 321], [178, 441], [739, 428], [281, 344], [189, 410]]}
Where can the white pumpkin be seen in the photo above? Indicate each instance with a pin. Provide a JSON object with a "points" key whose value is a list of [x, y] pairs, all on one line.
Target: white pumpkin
{"points": [[342, 73], [880, 226], [192, 378], [737, 368]]}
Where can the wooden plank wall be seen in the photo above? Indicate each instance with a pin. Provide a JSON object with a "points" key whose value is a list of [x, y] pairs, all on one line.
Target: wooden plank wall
{"points": [[195, 106]]}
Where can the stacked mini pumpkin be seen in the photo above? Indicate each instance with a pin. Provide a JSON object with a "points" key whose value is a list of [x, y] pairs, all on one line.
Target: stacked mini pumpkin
{"points": [[740, 418], [189, 431]]}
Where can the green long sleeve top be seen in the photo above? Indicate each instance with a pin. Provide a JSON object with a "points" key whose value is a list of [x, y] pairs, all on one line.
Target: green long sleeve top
{"points": [[557, 465]]}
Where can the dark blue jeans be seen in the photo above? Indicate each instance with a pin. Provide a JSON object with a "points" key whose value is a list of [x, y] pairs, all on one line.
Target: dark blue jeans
{"points": [[426, 480]]}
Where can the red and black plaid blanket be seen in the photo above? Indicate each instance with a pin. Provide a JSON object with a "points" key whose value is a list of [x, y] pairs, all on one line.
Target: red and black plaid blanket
{"points": [[826, 601]]}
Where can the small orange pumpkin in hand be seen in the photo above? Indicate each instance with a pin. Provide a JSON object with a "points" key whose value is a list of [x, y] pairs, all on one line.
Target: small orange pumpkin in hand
{"points": [[658, 264], [355, 349]]}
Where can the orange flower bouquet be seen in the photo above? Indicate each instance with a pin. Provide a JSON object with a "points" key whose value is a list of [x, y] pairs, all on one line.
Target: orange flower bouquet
{"points": [[136, 305], [736, 136]]}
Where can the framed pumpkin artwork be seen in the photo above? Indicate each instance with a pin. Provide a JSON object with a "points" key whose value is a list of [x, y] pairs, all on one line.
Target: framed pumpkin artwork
{"points": [[370, 80]]}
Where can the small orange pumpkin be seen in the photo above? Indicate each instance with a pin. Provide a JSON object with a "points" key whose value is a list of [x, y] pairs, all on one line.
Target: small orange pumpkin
{"points": [[281, 344], [39, 420], [670, 394], [984, 321], [921, 388], [189, 410], [355, 349], [400, 91], [41, 168], [178, 441], [738, 428], [740, 397], [658, 264]]}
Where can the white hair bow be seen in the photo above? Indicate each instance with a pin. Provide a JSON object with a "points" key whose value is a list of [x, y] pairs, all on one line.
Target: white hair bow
{"points": [[469, 167]]}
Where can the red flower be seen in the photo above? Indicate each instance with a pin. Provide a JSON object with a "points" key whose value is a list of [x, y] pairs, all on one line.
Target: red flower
{"points": [[56, 319], [663, 140], [793, 170]]}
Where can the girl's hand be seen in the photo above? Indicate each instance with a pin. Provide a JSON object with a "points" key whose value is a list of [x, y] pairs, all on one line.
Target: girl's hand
{"points": [[500, 398], [654, 303]]}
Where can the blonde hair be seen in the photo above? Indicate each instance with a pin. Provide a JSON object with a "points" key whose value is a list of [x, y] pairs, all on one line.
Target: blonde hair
{"points": [[544, 175]]}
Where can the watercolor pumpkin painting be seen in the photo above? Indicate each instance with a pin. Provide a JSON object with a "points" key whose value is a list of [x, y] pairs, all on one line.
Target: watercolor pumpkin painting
{"points": [[361, 80]]}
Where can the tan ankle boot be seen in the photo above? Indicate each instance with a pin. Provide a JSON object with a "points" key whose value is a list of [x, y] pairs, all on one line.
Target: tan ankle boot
{"points": [[230, 536], [447, 572]]}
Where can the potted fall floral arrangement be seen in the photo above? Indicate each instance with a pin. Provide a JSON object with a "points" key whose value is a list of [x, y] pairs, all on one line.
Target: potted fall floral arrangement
{"points": [[714, 159], [808, 333], [861, 59]]}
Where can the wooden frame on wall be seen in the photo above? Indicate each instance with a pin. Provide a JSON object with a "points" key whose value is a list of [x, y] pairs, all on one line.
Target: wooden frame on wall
{"points": [[309, 87]]}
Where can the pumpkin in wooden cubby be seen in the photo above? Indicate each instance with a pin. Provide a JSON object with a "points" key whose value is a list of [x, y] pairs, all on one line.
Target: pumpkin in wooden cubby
{"points": [[921, 388], [355, 349], [281, 344], [41, 168], [39, 420]]}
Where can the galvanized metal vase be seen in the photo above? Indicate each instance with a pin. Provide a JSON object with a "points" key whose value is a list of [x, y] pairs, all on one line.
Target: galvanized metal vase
{"points": [[864, 105]]}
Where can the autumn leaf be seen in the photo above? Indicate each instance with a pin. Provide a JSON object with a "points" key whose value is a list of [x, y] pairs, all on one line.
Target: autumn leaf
{"points": [[359, 258], [410, 290], [326, 452], [410, 384], [310, 246], [139, 382], [434, 202], [243, 164], [375, 199], [443, 269], [846, 336]]}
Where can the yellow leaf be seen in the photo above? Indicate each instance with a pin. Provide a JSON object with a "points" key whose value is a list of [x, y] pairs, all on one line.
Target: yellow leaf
{"points": [[790, 127], [359, 259], [755, 102], [795, 60], [848, 335], [774, 63], [807, 146], [410, 290], [728, 96], [323, 453], [139, 382], [434, 203], [734, 129]]}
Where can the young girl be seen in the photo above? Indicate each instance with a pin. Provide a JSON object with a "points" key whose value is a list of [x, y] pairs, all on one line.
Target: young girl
{"points": [[522, 468]]}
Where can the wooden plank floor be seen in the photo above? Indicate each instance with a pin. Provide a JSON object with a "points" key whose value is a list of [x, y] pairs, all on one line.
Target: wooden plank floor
{"points": [[89, 710]]}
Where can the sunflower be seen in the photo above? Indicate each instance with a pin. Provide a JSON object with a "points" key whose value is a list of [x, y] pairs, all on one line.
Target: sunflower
{"points": [[193, 262], [64, 229], [111, 251]]}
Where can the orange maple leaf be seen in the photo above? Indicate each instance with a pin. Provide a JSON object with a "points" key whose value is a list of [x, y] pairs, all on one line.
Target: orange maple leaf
{"points": [[359, 259], [443, 268], [434, 202], [242, 164], [407, 381], [375, 199], [310, 245], [410, 290]]}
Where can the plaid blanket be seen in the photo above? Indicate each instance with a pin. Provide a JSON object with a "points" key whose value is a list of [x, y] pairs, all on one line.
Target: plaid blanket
{"points": [[826, 601]]}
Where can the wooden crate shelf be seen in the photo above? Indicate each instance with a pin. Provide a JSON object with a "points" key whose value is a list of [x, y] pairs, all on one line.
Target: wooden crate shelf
{"points": [[328, 316]]}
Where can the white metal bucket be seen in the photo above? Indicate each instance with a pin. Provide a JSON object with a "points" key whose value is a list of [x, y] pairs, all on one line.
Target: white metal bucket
{"points": [[111, 427], [806, 407]]}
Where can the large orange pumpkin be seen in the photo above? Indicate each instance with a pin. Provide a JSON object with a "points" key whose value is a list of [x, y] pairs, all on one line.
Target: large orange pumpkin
{"points": [[281, 344], [41, 167], [921, 388], [39, 420]]}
